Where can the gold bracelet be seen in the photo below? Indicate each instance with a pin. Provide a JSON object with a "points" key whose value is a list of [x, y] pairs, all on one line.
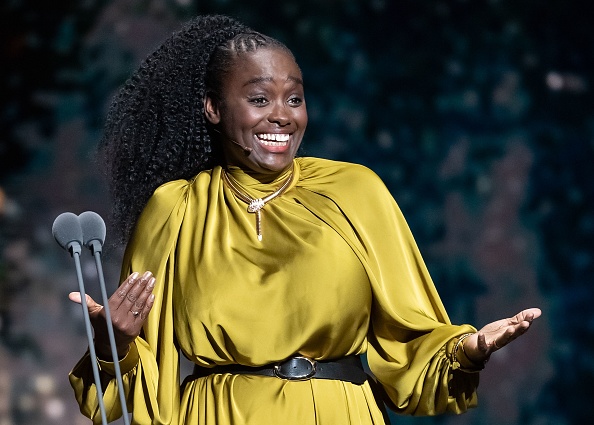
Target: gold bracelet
{"points": [[456, 363], [478, 366]]}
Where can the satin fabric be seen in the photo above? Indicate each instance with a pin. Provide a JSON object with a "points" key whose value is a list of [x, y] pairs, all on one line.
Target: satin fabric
{"points": [[336, 273]]}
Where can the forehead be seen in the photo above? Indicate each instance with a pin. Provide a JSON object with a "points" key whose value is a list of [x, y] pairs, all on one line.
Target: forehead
{"points": [[264, 65]]}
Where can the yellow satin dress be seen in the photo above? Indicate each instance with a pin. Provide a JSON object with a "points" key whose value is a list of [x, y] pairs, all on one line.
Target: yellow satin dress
{"points": [[336, 273]]}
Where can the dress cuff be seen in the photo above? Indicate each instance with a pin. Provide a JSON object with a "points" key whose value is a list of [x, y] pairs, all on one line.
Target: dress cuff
{"points": [[467, 364], [128, 363], [459, 358]]}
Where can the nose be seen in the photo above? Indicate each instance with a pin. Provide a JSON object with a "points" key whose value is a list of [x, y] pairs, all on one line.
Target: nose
{"points": [[280, 115]]}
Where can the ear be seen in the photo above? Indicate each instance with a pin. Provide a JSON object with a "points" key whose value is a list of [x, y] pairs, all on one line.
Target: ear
{"points": [[211, 110]]}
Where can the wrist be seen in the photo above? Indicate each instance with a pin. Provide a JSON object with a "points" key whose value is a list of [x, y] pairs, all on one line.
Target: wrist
{"points": [[126, 363], [461, 360], [471, 357], [104, 352], [469, 361]]}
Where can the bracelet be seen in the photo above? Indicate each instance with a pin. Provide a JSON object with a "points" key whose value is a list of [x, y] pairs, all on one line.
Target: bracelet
{"points": [[478, 366], [456, 363]]}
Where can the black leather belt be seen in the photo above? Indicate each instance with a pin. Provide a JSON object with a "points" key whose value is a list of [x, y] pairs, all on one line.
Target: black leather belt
{"points": [[297, 368]]}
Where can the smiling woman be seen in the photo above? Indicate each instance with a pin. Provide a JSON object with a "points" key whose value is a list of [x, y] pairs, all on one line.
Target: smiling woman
{"points": [[273, 311], [262, 107]]}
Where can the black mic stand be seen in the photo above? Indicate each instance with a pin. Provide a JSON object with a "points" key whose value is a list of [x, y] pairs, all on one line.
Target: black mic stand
{"points": [[93, 229], [73, 245]]}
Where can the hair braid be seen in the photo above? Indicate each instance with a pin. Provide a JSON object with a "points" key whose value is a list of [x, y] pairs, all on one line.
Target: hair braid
{"points": [[156, 130]]}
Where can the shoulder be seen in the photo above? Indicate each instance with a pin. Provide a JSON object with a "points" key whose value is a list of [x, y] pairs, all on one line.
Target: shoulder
{"points": [[169, 202], [173, 192], [339, 174], [159, 223]]}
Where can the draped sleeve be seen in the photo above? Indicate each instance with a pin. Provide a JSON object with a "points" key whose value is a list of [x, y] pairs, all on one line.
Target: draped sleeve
{"points": [[151, 368], [410, 335]]}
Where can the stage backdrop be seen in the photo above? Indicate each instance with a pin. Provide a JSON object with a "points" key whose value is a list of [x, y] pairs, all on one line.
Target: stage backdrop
{"points": [[477, 114]]}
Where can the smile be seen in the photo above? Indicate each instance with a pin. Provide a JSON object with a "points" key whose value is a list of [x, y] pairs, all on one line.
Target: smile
{"points": [[273, 139]]}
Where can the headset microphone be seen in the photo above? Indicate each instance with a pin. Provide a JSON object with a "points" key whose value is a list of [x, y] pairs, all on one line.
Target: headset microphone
{"points": [[246, 150]]}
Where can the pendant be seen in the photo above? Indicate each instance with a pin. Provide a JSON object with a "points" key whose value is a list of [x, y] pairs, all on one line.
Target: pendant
{"points": [[256, 205]]}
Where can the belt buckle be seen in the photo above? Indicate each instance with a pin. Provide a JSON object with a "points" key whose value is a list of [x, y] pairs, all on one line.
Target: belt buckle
{"points": [[288, 369]]}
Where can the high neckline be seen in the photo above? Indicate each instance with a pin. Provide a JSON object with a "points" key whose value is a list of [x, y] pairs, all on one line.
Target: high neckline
{"points": [[261, 180]]}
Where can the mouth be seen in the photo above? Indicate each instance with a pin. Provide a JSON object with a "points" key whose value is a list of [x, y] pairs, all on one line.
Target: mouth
{"points": [[273, 139], [274, 142]]}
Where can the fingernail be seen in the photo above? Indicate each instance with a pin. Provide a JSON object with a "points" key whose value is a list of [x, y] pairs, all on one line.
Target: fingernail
{"points": [[146, 275], [151, 283], [134, 275]]}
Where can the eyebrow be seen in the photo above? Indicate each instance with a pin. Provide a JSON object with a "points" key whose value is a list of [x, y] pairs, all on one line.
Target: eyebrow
{"points": [[258, 80]]}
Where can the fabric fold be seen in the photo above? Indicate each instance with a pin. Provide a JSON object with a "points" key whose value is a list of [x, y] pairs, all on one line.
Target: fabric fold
{"points": [[336, 273]]}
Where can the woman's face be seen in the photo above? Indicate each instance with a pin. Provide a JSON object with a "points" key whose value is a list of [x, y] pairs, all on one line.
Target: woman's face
{"points": [[262, 107]]}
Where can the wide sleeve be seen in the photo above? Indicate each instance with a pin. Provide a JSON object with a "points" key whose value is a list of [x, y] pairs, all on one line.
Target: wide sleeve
{"points": [[410, 335], [151, 368]]}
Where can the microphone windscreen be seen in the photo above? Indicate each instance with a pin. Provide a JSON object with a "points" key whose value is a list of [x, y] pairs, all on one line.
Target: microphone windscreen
{"points": [[93, 227], [66, 229]]}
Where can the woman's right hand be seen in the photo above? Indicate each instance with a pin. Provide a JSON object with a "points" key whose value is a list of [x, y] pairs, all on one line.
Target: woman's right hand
{"points": [[129, 307]]}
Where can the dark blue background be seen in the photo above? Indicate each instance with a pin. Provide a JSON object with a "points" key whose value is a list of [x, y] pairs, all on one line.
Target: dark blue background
{"points": [[477, 114]]}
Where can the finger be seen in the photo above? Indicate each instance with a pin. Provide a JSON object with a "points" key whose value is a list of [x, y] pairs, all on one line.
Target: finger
{"points": [[531, 314], [527, 315], [136, 293], [144, 293], [92, 305], [481, 342], [510, 334], [135, 299], [120, 295], [148, 306], [75, 296], [142, 311], [145, 301]]}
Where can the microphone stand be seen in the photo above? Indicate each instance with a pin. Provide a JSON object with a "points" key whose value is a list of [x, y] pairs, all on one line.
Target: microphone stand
{"points": [[75, 250], [95, 247]]}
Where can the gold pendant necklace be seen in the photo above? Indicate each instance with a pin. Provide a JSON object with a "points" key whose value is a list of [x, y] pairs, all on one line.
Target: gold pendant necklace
{"points": [[256, 205]]}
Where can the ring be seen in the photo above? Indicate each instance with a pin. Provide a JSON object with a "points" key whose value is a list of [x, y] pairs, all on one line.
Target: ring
{"points": [[495, 344], [135, 313]]}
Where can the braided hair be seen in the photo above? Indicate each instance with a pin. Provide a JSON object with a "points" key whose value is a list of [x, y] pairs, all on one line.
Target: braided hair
{"points": [[156, 130]]}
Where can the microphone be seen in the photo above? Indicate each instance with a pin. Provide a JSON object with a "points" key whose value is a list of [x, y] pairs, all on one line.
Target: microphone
{"points": [[69, 234], [246, 149], [94, 231]]}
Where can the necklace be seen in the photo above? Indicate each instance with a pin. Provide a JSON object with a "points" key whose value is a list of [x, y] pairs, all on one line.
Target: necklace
{"points": [[256, 205]]}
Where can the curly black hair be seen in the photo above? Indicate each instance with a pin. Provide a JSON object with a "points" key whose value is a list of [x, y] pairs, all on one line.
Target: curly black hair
{"points": [[156, 130]]}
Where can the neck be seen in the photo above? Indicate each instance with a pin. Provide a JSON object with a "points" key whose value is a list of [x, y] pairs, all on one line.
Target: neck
{"points": [[265, 178]]}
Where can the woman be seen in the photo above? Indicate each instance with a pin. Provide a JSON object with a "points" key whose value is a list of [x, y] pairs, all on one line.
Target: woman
{"points": [[264, 267]]}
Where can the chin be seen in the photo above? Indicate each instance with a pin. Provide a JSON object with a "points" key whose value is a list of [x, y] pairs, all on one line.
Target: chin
{"points": [[276, 166], [270, 169]]}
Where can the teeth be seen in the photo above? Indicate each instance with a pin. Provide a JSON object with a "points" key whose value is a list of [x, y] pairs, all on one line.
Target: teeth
{"points": [[273, 139]]}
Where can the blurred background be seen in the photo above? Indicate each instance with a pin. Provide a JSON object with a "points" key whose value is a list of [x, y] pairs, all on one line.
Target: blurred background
{"points": [[478, 115]]}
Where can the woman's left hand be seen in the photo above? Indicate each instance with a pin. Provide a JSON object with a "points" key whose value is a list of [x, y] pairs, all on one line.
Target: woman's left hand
{"points": [[480, 345]]}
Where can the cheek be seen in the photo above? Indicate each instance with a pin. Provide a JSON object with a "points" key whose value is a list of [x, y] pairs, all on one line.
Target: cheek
{"points": [[246, 123], [300, 114], [302, 118], [240, 118]]}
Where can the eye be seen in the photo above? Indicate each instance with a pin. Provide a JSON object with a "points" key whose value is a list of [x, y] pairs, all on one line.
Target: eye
{"points": [[295, 101], [258, 100]]}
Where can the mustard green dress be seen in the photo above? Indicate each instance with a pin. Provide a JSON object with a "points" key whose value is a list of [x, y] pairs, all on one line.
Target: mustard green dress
{"points": [[336, 273]]}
